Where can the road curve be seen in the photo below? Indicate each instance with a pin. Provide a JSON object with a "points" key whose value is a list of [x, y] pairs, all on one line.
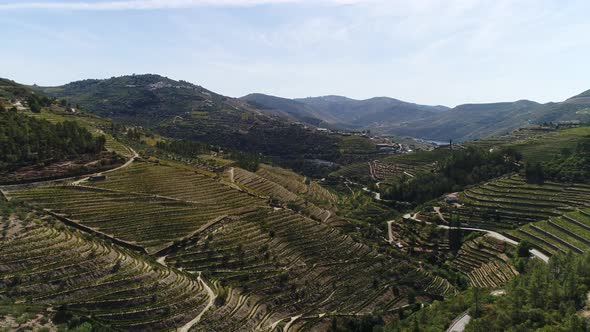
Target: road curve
{"points": [[501, 237], [76, 179], [196, 320], [125, 165], [536, 253], [459, 324]]}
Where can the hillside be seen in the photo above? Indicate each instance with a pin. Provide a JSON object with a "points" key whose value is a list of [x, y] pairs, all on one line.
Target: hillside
{"points": [[374, 112], [471, 121], [287, 108], [391, 116], [166, 241], [342, 112], [183, 110]]}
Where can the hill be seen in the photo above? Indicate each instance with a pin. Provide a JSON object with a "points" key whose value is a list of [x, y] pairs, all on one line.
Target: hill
{"points": [[284, 107], [391, 116], [374, 112], [470, 121], [183, 110], [337, 111]]}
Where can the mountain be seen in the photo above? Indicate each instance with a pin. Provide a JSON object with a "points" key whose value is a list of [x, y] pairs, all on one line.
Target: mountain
{"points": [[370, 112], [288, 108], [581, 99], [343, 112], [391, 116], [470, 121], [184, 110], [143, 99], [259, 122]]}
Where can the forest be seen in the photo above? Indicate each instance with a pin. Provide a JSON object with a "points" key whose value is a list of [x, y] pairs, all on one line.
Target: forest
{"points": [[25, 140], [546, 297], [462, 168], [572, 165]]}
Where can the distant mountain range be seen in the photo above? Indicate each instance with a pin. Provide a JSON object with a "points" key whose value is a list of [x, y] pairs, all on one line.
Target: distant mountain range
{"points": [[391, 116], [337, 111], [174, 106]]}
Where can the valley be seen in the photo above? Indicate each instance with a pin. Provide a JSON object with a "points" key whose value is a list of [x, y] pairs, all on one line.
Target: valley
{"points": [[177, 232]]}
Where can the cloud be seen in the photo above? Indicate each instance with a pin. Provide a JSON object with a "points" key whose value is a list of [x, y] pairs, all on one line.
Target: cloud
{"points": [[156, 4]]}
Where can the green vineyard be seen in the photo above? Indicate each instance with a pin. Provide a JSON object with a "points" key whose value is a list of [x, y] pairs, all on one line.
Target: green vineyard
{"points": [[568, 233], [285, 264], [55, 266], [510, 202]]}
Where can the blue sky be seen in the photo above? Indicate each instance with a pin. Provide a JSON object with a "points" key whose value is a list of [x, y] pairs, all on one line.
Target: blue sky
{"points": [[426, 51]]}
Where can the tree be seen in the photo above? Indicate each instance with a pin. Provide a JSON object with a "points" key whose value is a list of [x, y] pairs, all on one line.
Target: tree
{"points": [[455, 234], [534, 173], [411, 296], [523, 249]]}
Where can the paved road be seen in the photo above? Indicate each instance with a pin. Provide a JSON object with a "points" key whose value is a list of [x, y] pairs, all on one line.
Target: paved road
{"points": [[489, 233], [501, 237], [460, 323]]}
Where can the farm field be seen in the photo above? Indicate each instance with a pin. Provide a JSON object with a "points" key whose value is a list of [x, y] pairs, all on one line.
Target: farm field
{"points": [[485, 263], [392, 167], [534, 144], [551, 145], [287, 264], [568, 233], [288, 187], [265, 264], [510, 202], [49, 265], [145, 204]]}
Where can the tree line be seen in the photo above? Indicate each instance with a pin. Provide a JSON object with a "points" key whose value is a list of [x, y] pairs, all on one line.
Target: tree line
{"points": [[570, 166], [544, 297], [462, 168], [25, 140]]}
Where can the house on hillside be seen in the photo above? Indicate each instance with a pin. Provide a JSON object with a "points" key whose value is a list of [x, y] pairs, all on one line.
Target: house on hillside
{"points": [[452, 198], [96, 178]]}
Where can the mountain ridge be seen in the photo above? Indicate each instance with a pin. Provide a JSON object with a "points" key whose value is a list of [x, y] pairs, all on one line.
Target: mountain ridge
{"points": [[147, 99], [462, 122]]}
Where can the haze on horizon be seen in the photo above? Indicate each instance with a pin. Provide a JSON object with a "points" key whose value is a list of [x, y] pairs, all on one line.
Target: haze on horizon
{"points": [[429, 52]]}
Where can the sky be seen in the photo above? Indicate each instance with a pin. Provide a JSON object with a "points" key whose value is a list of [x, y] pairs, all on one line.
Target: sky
{"points": [[446, 52]]}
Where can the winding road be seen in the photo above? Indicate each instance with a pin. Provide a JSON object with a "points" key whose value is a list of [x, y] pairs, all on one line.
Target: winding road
{"points": [[125, 165], [536, 253], [196, 320], [76, 180], [459, 324]]}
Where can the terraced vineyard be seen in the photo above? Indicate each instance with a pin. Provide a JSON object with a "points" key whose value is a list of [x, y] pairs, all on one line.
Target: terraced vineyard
{"points": [[146, 204], [520, 136], [391, 168], [388, 170], [285, 186], [484, 262], [510, 202], [299, 185], [267, 264], [570, 232], [288, 179], [550, 145], [45, 263], [287, 264]]}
